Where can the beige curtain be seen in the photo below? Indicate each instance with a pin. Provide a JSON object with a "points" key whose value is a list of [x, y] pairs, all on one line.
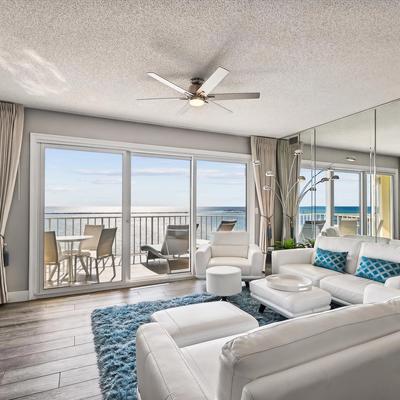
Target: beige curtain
{"points": [[288, 166], [11, 129], [263, 151]]}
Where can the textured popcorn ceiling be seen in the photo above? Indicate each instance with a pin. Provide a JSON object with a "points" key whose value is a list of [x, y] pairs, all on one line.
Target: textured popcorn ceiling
{"points": [[312, 61]]}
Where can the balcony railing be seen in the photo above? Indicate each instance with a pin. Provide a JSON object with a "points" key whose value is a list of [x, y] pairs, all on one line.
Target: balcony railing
{"points": [[336, 219], [146, 228]]}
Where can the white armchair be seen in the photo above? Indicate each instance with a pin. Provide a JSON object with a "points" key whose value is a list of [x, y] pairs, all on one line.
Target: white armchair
{"points": [[233, 249]]}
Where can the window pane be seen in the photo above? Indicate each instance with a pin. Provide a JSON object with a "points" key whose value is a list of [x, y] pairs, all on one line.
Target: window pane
{"points": [[312, 209], [221, 197], [83, 192], [347, 203], [160, 216]]}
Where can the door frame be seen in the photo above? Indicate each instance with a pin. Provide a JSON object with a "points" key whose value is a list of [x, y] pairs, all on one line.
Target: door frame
{"points": [[38, 141]]}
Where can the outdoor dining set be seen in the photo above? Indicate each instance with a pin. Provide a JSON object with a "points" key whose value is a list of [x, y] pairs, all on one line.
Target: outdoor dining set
{"points": [[94, 246]]}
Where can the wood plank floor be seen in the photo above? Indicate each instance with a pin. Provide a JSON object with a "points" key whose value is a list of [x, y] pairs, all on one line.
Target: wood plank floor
{"points": [[46, 346]]}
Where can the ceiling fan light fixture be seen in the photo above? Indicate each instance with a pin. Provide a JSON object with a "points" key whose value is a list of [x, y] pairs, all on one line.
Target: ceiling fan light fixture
{"points": [[196, 101]]}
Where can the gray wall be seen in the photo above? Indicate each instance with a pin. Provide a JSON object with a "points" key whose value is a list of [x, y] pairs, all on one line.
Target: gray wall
{"points": [[48, 122], [338, 156]]}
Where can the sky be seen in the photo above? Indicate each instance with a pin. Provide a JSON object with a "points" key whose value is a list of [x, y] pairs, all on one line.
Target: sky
{"points": [[87, 179], [346, 189]]}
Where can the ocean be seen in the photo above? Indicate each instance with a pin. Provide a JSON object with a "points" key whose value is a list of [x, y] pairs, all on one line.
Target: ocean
{"points": [[338, 210]]}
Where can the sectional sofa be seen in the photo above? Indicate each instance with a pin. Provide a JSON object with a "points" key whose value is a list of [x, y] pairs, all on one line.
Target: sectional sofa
{"points": [[214, 351], [347, 353], [345, 288]]}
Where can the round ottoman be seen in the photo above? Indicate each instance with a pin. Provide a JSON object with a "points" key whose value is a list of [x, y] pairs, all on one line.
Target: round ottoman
{"points": [[224, 281]]}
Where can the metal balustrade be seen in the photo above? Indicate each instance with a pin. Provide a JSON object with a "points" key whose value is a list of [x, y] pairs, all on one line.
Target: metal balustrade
{"points": [[146, 228]]}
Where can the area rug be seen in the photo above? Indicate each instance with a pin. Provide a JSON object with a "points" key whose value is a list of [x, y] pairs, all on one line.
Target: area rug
{"points": [[114, 330]]}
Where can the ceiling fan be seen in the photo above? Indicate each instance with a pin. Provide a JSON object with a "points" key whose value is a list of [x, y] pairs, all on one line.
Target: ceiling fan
{"points": [[199, 92]]}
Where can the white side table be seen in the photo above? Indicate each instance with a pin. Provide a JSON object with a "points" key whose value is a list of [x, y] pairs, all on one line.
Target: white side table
{"points": [[224, 281]]}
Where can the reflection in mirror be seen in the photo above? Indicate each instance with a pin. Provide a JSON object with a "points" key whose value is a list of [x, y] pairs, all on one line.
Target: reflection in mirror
{"points": [[385, 190], [343, 158]]}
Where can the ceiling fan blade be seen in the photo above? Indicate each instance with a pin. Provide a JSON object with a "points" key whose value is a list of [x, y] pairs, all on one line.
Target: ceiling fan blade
{"points": [[163, 98], [170, 84], [234, 96], [221, 106], [213, 81]]}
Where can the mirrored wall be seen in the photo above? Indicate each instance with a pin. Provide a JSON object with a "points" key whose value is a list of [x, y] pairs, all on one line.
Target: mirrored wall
{"points": [[351, 171]]}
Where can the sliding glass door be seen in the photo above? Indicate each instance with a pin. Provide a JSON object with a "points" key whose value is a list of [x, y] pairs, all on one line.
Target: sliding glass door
{"points": [[221, 198], [160, 216], [82, 238], [106, 217]]}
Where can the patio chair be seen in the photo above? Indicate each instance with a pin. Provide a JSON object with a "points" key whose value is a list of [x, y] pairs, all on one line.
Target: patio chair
{"points": [[88, 245], [52, 255], [307, 230], [226, 226], [174, 246], [103, 251]]}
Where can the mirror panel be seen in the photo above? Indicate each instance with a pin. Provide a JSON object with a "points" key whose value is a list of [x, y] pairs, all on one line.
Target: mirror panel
{"points": [[387, 169]]}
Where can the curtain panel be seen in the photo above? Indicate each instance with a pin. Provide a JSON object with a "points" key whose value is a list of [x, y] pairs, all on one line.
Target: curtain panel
{"points": [[288, 166], [263, 153], [11, 130]]}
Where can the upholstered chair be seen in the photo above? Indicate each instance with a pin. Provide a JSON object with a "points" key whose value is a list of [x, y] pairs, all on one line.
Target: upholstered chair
{"points": [[232, 249]]}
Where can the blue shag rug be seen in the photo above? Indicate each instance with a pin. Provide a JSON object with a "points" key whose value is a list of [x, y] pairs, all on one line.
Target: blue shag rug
{"points": [[114, 330]]}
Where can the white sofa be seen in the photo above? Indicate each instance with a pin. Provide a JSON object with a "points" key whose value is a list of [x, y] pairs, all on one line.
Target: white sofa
{"points": [[232, 249], [347, 353], [345, 288]]}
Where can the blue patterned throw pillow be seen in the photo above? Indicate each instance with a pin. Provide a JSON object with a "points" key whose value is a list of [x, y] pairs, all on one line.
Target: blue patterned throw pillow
{"points": [[334, 260], [376, 269]]}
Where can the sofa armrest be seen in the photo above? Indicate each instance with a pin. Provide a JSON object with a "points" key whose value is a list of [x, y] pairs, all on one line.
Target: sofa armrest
{"points": [[393, 282], [292, 256], [256, 260], [162, 371], [202, 258], [376, 293]]}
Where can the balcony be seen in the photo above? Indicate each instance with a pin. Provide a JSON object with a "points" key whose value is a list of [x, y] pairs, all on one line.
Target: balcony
{"points": [[146, 229]]}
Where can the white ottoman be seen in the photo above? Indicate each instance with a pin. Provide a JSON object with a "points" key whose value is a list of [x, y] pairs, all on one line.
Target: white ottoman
{"points": [[202, 322], [224, 280], [290, 304]]}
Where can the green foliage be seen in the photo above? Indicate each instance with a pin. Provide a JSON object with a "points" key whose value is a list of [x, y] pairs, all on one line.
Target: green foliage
{"points": [[292, 244]]}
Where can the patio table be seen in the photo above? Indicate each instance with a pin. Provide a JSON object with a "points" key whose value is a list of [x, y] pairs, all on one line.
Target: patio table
{"points": [[69, 242]]}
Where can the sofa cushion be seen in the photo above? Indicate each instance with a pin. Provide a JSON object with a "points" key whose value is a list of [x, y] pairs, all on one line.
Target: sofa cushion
{"points": [[382, 251], [351, 245], [201, 322], [346, 287], [230, 251], [308, 271], [334, 260], [230, 244], [240, 262], [278, 347], [377, 270]]}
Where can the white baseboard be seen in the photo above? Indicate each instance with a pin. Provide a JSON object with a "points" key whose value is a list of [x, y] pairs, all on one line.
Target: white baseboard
{"points": [[15, 297]]}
